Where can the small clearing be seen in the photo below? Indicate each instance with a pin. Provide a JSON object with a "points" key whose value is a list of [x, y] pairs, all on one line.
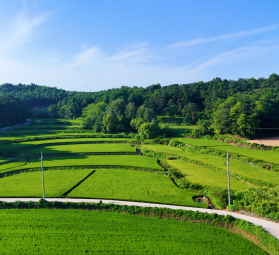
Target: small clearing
{"points": [[272, 141]]}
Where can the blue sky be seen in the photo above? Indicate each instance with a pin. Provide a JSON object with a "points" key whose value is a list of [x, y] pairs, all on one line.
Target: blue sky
{"points": [[103, 44]]}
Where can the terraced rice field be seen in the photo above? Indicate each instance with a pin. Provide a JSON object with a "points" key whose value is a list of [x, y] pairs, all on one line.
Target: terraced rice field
{"points": [[204, 176], [68, 140], [267, 156], [44, 231], [83, 148], [29, 184], [236, 167], [107, 160], [135, 186]]}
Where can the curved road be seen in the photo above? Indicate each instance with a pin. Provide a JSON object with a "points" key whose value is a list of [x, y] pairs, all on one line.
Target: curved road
{"points": [[269, 226], [7, 128]]}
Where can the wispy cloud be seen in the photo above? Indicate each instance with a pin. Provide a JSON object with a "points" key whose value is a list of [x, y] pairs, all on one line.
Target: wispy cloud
{"points": [[133, 54], [239, 55], [21, 30], [223, 37]]}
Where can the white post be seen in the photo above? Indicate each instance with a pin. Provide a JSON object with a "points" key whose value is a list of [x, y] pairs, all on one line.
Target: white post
{"points": [[43, 176], [228, 173]]}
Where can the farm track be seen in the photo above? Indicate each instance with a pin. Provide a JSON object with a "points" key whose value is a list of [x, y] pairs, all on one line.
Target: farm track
{"points": [[269, 226]]}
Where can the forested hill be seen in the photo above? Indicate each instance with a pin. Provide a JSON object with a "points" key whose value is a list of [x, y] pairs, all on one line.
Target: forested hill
{"points": [[230, 104], [12, 111]]}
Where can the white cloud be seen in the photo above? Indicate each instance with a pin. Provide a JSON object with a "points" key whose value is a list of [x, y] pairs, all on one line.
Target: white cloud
{"points": [[21, 30], [92, 69], [86, 57], [134, 54], [223, 37]]}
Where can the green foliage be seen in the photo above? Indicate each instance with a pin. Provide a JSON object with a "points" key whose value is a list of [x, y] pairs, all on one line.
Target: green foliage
{"points": [[8, 150], [13, 111], [260, 201], [189, 112], [244, 113], [92, 116], [149, 130]]}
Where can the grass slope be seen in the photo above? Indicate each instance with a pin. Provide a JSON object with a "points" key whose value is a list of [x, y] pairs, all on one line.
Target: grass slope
{"points": [[204, 176], [133, 185], [27, 184], [42, 231]]}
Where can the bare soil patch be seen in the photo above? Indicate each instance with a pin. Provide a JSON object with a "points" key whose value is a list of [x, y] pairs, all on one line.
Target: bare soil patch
{"points": [[272, 141]]}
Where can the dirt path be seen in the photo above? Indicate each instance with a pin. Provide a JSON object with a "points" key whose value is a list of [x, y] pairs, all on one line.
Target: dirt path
{"points": [[7, 128], [273, 141], [269, 226]]}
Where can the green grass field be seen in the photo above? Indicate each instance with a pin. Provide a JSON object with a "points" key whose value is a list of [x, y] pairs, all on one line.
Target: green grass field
{"points": [[29, 184], [111, 160], [43, 231], [236, 167], [204, 176], [83, 148], [135, 186]]}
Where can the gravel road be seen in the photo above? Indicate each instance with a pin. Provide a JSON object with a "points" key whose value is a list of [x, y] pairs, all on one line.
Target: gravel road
{"points": [[269, 226]]}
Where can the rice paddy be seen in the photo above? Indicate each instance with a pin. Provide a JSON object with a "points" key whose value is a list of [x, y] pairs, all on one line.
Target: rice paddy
{"points": [[204, 176]]}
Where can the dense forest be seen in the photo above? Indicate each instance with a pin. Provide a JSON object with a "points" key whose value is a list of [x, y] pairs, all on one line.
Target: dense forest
{"points": [[12, 111], [232, 107]]}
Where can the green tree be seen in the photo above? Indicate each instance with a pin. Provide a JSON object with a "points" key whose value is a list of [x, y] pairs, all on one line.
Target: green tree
{"points": [[149, 130]]}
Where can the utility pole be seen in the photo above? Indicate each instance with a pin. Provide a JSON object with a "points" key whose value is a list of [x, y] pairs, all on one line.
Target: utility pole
{"points": [[43, 176], [228, 174]]}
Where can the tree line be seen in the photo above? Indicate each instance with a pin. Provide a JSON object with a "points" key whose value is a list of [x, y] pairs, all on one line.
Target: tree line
{"points": [[240, 106]]}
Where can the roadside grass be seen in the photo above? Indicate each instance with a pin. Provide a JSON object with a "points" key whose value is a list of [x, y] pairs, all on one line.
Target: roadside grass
{"points": [[204, 176], [44, 231], [134, 186], [236, 167], [83, 148], [108, 160], [29, 184]]}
